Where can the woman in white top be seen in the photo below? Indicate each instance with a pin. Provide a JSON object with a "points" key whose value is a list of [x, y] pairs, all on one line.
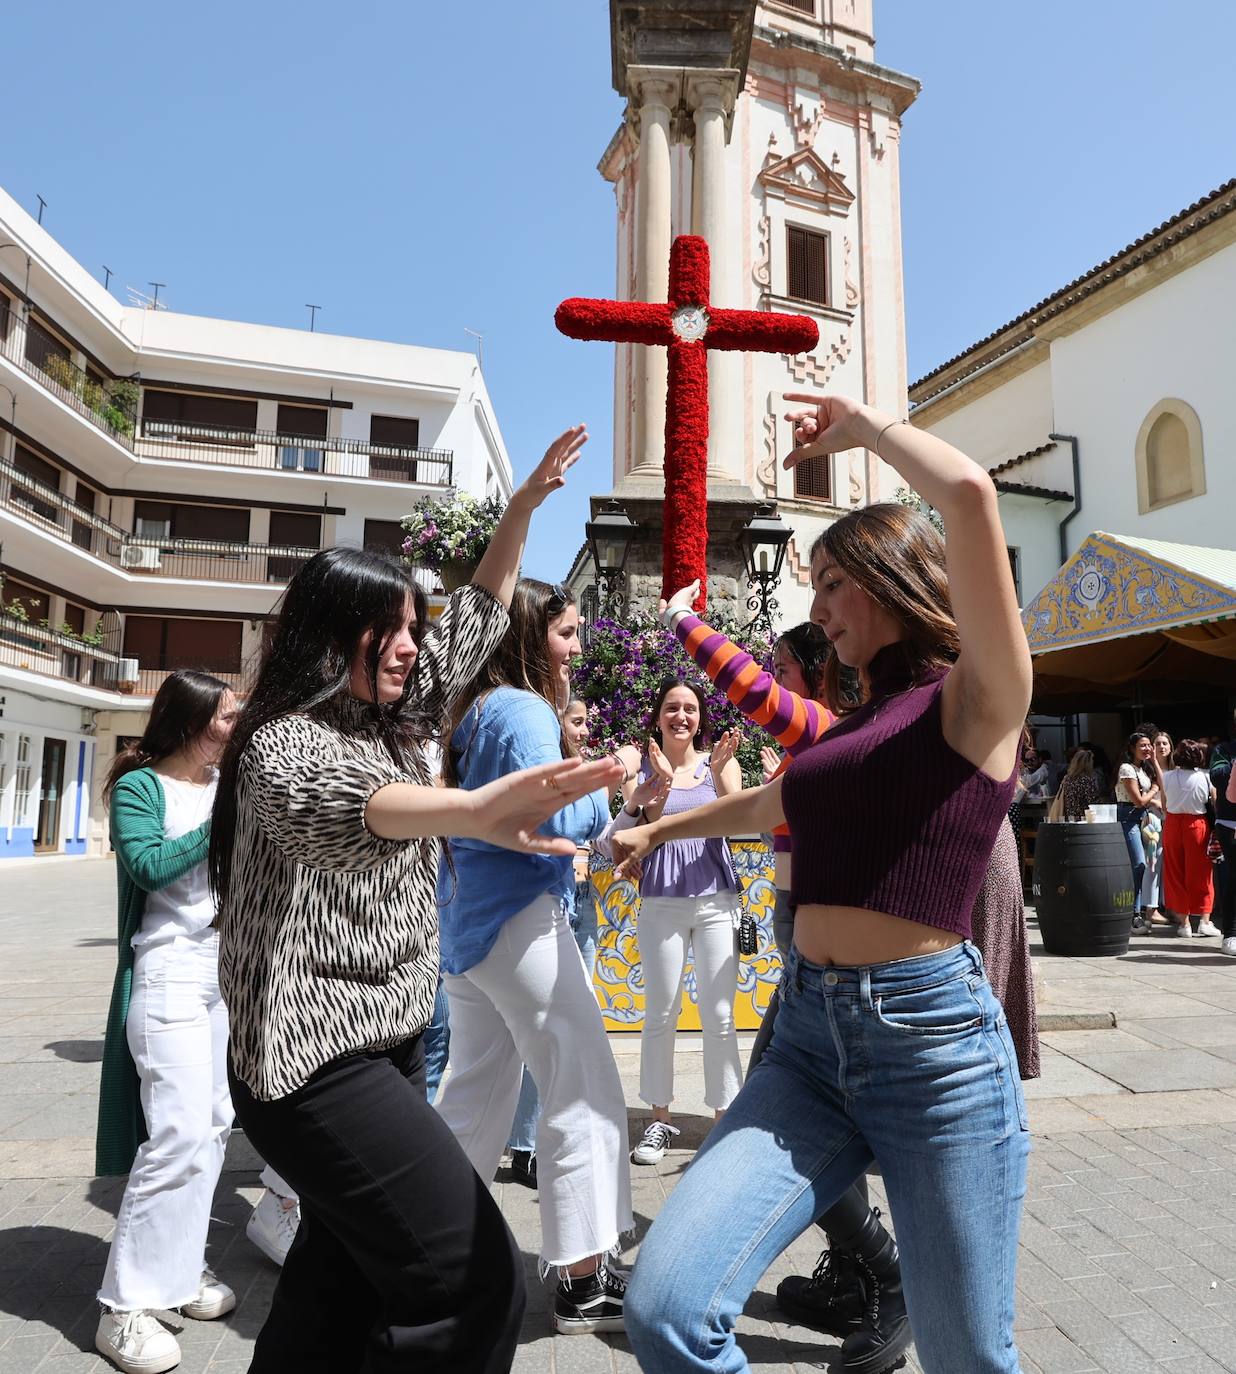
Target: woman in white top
{"points": [[167, 1033], [1188, 878], [1134, 792], [1152, 840]]}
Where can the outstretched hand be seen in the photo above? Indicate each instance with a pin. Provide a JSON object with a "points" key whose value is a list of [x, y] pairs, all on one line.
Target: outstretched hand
{"points": [[770, 761], [832, 424], [550, 473], [511, 809], [682, 600], [630, 848]]}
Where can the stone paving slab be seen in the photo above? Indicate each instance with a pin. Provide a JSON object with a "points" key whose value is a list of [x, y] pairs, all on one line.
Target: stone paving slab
{"points": [[1128, 1254]]}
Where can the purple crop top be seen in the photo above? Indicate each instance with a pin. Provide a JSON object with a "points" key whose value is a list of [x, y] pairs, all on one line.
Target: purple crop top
{"points": [[885, 814], [688, 868]]}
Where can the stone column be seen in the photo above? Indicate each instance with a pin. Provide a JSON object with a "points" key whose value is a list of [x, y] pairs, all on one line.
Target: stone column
{"points": [[654, 92], [710, 95]]}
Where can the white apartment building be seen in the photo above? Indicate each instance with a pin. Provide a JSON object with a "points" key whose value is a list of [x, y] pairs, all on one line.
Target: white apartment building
{"points": [[161, 478]]}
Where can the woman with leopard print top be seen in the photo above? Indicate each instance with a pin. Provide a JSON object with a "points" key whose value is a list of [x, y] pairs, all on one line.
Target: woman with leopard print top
{"points": [[324, 855]]}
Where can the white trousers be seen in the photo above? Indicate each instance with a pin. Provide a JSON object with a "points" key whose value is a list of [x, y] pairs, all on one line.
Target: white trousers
{"points": [[664, 927], [177, 1032], [529, 1001]]}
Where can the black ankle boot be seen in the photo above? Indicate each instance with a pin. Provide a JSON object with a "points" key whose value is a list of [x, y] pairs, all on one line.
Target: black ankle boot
{"points": [[832, 1299], [523, 1167], [885, 1333]]}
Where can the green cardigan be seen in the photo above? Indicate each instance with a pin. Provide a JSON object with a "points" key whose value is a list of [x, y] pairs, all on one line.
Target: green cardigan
{"points": [[145, 862]]}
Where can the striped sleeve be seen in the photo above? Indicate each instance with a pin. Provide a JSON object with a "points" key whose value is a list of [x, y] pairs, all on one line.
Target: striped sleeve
{"points": [[794, 722]]}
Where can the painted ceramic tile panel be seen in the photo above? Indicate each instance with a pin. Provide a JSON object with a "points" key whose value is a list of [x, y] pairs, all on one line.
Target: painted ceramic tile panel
{"points": [[618, 979]]}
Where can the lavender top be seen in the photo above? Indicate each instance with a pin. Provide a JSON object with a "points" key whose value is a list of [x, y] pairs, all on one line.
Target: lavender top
{"points": [[688, 868]]}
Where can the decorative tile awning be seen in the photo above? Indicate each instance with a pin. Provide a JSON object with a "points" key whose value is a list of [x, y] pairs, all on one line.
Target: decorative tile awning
{"points": [[1116, 586]]}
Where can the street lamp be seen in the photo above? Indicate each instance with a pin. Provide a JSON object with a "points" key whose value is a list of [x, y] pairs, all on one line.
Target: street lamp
{"points": [[763, 543], [610, 536]]}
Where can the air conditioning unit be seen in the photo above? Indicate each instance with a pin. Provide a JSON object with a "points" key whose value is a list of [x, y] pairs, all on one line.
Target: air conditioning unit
{"points": [[139, 556], [126, 674]]}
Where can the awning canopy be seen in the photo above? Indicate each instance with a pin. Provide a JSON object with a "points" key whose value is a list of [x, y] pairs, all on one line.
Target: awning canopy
{"points": [[1125, 612]]}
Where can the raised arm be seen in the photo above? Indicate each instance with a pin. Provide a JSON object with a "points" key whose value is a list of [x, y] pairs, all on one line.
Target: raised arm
{"points": [[988, 692], [499, 569], [795, 722]]}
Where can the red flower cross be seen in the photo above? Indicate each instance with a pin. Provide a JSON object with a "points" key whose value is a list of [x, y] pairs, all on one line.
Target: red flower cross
{"points": [[688, 325]]}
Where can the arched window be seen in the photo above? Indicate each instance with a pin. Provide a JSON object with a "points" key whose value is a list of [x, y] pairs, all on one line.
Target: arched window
{"points": [[1170, 466]]}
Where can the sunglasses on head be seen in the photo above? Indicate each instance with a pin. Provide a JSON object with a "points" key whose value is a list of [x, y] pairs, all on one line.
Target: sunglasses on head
{"points": [[559, 599]]}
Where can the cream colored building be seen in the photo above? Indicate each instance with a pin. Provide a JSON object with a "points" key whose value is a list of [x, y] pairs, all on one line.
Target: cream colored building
{"points": [[1107, 407], [161, 478], [771, 130]]}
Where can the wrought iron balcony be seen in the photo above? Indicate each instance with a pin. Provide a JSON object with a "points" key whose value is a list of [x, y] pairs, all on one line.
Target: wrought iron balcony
{"points": [[36, 649], [211, 560]]}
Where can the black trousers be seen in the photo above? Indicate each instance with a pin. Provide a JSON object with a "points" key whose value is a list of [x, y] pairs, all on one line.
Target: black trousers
{"points": [[1225, 882], [403, 1260]]}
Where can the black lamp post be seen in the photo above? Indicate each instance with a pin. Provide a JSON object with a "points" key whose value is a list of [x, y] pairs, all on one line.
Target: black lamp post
{"points": [[763, 542], [610, 536]]}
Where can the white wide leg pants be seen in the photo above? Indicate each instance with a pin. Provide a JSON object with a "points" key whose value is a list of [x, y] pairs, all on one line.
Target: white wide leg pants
{"points": [[177, 1032], [529, 1001]]}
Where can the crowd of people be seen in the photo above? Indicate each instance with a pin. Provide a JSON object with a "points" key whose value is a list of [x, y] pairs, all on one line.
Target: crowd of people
{"points": [[369, 870], [1175, 801]]}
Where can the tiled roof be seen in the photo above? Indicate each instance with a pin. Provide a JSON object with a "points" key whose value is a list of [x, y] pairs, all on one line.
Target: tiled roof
{"points": [[1218, 203], [1025, 489], [1021, 458]]}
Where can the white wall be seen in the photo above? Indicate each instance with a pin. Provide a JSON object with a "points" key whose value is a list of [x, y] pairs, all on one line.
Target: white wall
{"points": [[1173, 341], [1009, 420]]}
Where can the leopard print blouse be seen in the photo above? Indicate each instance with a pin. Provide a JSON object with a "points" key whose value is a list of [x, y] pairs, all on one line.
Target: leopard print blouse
{"points": [[329, 941]]}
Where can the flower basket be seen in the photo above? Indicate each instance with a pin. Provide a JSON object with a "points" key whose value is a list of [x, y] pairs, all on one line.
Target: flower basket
{"points": [[450, 535]]}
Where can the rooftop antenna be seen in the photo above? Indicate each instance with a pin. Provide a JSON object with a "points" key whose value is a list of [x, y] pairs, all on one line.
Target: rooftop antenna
{"points": [[107, 277], [313, 314], [154, 304], [480, 347], [140, 298], [42, 205]]}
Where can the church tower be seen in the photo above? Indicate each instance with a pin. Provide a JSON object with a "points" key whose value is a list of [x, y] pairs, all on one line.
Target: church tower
{"points": [[771, 130]]}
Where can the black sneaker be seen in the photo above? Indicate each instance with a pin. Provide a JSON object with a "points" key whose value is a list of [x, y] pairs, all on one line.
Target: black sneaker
{"points": [[523, 1167], [654, 1143], [831, 1300], [591, 1302]]}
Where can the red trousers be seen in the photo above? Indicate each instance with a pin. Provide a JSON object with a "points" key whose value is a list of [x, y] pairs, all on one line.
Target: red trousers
{"points": [[1188, 875]]}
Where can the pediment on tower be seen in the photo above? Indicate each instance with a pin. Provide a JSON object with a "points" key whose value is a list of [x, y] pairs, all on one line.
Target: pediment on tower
{"points": [[804, 177]]}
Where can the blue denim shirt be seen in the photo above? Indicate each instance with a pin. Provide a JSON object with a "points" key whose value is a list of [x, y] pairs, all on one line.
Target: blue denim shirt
{"points": [[508, 730]]}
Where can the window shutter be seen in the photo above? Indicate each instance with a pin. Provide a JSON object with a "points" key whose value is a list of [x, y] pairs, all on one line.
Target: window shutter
{"points": [[806, 265], [813, 479]]}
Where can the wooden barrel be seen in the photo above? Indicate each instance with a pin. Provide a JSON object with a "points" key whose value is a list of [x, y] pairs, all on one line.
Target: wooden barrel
{"points": [[1083, 889]]}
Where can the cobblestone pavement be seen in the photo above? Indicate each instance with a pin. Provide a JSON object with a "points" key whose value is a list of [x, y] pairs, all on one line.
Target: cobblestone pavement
{"points": [[1128, 1256]]}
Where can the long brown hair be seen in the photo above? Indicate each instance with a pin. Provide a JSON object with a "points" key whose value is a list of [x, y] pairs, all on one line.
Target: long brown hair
{"points": [[896, 557], [521, 660], [183, 709]]}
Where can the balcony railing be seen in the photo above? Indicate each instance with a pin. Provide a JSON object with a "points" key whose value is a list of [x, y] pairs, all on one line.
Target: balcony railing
{"points": [[36, 649], [332, 457], [110, 404], [149, 680], [210, 560]]}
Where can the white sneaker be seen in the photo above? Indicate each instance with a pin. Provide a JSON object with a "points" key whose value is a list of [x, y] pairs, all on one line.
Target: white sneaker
{"points": [[1183, 930], [273, 1225], [1228, 946], [1207, 927], [655, 1142], [213, 1299], [136, 1343]]}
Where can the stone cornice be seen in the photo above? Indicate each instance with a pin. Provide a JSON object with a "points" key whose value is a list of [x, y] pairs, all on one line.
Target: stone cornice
{"points": [[845, 71]]}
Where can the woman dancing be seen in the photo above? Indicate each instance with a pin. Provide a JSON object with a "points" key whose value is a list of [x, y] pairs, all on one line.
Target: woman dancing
{"points": [[889, 1044], [323, 857]]}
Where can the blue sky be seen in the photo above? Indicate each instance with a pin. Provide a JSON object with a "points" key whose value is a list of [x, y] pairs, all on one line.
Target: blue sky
{"points": [[420, 169]]}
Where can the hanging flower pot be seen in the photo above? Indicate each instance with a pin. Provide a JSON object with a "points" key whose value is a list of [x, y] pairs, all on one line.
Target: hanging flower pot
{"points": [[450, 536], [456, 574]]}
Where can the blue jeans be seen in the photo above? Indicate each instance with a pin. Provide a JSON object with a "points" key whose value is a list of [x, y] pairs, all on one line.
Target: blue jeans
{"points": [[907, 1063], [528, 1109], [1130, 818], [437, 1041]]}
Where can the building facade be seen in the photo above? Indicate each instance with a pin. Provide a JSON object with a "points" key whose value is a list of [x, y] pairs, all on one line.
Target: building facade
{"points": [[162, 476], [1106, 408], [770, 130]]}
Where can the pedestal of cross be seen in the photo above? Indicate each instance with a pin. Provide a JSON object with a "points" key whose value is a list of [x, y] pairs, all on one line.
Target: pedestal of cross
{"points": [[687, 325]]}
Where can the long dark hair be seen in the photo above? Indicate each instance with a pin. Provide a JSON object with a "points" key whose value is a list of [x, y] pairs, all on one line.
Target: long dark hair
{"points": [[306, 668], [808, 646], [1130, 745], [182, 710], [895, 556], [521, 660], [703, 736]]}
